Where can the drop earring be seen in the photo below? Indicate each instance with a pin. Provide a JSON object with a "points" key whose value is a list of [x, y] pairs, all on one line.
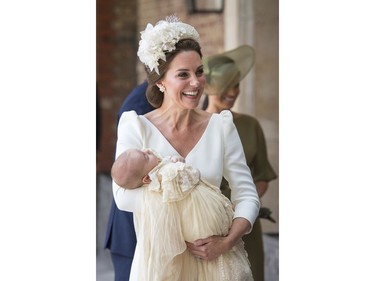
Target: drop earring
{"points": [[161, 88]]}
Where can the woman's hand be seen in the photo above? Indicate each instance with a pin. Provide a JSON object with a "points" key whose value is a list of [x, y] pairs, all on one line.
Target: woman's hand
{"points": [[212, 247], [209, 248]]}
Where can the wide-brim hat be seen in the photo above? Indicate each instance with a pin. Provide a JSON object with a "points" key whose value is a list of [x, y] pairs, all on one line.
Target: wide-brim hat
{"points": [[224, 71]]}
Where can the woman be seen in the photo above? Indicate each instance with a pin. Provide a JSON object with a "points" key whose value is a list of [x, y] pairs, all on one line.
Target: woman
{"points": [[210, 142], [223, 75]]}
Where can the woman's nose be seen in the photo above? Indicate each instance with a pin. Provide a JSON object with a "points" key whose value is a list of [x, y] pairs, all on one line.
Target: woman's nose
{"points": [[194, 82]]}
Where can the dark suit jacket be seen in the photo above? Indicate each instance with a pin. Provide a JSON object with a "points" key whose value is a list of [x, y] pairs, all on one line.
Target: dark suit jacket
{"points": [[120, 237]]}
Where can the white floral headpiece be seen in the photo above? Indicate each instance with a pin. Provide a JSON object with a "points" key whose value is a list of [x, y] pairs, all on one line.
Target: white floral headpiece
{"points": [[161, 38]]}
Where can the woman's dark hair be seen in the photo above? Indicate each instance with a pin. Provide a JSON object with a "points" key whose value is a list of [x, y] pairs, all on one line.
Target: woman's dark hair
{"points": [[153, 94]]}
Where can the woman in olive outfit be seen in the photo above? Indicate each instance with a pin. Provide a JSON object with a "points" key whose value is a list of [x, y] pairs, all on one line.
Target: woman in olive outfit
{"points": [[223, 74]]}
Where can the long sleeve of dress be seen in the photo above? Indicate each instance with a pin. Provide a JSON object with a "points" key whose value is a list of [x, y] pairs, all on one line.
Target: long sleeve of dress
{"points": [[129, 135], [255, 148], [235, 170], [262, 167]]}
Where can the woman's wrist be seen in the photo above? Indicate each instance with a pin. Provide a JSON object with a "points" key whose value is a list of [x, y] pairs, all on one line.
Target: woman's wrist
{"points": [[240, 226]]}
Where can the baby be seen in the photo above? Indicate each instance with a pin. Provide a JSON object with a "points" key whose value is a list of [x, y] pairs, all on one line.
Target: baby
{"points": [[176, 206], [131, 168]]}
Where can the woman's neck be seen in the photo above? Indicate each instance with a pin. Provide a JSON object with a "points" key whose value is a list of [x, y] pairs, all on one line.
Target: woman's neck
{"points": [[173, 118]]}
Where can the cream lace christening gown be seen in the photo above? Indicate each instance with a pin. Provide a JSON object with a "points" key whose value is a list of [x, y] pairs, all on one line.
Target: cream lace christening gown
{"points": [[176, 207]]}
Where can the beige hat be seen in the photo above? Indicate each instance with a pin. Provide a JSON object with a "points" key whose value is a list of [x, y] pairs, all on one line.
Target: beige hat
{"points": [[224, 71]]}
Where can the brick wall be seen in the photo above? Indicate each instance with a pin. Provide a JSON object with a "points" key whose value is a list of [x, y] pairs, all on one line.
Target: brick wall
{"points": [[118, 68]]}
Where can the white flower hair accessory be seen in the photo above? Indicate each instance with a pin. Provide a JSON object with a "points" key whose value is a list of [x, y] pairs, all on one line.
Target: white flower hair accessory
{"points": [[161, 38]]}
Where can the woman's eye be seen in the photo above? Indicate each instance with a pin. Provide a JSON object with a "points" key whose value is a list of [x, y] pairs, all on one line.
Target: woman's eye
{"points": [[183, 74], [200, 72]]}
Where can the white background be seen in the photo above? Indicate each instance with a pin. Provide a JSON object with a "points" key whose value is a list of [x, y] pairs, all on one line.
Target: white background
{"points": [[47, 151]]}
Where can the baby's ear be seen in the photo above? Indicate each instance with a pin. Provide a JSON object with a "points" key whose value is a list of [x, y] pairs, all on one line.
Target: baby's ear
{"points": [[146, 179]]}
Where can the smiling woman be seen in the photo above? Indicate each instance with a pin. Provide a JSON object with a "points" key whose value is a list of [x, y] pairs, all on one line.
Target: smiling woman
{"points": [[185, 85], [173, 63], [191, 51]]}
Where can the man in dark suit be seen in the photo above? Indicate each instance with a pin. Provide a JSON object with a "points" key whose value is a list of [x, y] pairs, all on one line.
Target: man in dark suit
{"points": [[120, 238]]}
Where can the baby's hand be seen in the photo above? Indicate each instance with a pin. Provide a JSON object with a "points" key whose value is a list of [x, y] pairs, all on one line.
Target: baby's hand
{"points": [[177, 158]]}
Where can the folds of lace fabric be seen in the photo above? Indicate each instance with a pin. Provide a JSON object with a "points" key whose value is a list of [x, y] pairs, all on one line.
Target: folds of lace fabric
{"points": [[177, 207], [174, 180]]}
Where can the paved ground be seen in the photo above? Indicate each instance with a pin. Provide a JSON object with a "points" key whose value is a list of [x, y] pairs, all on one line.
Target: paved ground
{"points": [[104, 269]]}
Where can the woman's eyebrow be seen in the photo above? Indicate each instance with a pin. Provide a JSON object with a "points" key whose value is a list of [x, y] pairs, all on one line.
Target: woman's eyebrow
{"points": [[186, 69]]}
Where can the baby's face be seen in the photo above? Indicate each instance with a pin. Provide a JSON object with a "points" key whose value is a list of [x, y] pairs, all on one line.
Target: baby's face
{"points": [[145, 160]]}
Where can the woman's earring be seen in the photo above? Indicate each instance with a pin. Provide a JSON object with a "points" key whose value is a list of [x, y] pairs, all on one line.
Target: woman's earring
{"points": [[162, 88]]}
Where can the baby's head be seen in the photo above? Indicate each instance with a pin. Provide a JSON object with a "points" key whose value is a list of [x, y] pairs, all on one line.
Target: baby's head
{"points": [[131, 168]]}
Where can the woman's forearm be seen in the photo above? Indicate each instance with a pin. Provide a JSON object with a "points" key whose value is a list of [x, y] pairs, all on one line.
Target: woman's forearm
{"points": [[239, 227]]}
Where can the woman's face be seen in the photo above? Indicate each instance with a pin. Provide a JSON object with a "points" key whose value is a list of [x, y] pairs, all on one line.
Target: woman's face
{"points": [[226, 100], [184, 81]]}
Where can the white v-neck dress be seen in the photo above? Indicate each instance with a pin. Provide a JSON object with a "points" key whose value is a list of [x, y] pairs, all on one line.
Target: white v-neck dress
{"points": [[218, 153]]}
